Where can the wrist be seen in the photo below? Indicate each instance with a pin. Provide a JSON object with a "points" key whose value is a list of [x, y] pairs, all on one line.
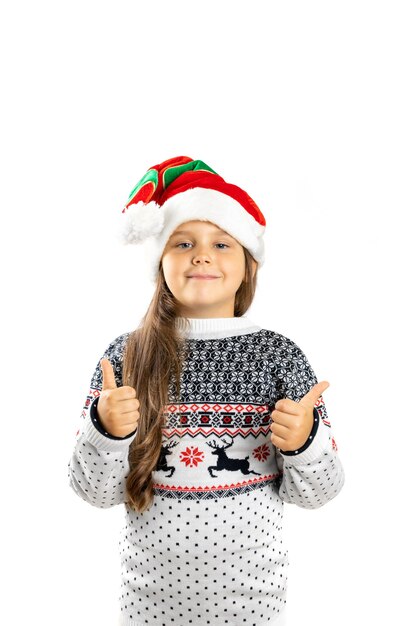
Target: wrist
{"points": [[308, 441]]}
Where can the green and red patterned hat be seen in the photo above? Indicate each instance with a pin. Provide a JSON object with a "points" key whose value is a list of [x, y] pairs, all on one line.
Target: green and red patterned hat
{"points": [[182, 189]]}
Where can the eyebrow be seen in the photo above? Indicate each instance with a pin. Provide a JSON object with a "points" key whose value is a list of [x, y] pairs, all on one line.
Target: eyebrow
{"points": [[188, 232]]}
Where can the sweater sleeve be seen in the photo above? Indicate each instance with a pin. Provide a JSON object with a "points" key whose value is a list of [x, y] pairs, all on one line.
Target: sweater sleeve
{"points": [[313, 475], [99, 465]]}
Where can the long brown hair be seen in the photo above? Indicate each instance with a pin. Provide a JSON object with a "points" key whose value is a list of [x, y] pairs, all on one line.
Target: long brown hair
{"points": [[151, 358]]}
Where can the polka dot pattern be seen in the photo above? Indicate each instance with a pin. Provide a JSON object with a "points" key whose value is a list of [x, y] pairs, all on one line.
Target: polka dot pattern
{"points": [[196, 562]]}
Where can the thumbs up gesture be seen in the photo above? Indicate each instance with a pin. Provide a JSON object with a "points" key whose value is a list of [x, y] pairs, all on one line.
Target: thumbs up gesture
{"points": [[293, 421], [117, 406]]}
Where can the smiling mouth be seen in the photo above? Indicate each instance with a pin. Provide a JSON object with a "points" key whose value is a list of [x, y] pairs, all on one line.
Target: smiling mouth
{"points": [[204, 277]]}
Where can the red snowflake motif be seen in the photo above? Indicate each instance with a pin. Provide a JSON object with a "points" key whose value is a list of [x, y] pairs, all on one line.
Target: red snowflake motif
{"points": [[261, 453], [192, 456]]}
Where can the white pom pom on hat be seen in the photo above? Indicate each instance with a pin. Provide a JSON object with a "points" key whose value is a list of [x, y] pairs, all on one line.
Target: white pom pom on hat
{"points": [[182, 189], [143, 220]]}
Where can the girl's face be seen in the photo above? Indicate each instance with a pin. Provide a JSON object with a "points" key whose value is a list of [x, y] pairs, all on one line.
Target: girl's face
{"points": [[203, 267]]}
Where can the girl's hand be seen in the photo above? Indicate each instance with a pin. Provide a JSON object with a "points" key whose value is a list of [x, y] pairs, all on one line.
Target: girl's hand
{"points": [[293, 421], [117, 406]]}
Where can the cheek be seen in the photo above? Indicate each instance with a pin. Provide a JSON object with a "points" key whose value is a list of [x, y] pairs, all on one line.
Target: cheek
{"points": [[167, 270], [172, 270], [239, 269], [168, 263]]}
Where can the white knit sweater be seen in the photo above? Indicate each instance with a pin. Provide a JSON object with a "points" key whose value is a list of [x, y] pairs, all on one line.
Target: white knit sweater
{"points": [[210, 549]]}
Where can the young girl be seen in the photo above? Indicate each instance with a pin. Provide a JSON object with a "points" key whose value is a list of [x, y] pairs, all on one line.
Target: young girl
{"points": [[202, 423]]}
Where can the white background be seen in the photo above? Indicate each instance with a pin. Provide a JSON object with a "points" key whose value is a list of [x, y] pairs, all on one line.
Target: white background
{"points": [[311, 108]]}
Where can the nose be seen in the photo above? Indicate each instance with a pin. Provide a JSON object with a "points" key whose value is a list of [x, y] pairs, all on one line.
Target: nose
{"points": [[200, 257]]}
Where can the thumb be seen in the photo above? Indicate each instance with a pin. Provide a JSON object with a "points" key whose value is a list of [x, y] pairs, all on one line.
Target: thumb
{"points": [[109, 381], [314, 394]]}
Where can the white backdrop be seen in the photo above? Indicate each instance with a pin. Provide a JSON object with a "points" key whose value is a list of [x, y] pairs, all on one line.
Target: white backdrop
{"points": [[310, 107]]}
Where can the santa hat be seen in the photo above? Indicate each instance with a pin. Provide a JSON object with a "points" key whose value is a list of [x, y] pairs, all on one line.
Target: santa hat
{"points": [[182, 189]]}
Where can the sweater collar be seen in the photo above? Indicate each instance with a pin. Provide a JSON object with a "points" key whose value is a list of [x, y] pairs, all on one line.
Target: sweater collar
{"points": [[215, 327]]}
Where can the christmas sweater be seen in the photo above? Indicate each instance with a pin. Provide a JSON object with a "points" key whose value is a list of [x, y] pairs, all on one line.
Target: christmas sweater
{"points": [[210, 550]]}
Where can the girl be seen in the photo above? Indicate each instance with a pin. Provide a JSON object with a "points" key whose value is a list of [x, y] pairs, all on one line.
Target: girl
{"points": [[202, 423]]}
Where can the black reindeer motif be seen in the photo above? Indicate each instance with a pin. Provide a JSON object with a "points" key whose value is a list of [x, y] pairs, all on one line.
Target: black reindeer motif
{"points": [[223, 461], [162, 461]]}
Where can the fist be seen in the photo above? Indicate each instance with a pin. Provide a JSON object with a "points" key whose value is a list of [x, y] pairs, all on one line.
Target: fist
{"points": [[293, 421], [117, 406]]}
